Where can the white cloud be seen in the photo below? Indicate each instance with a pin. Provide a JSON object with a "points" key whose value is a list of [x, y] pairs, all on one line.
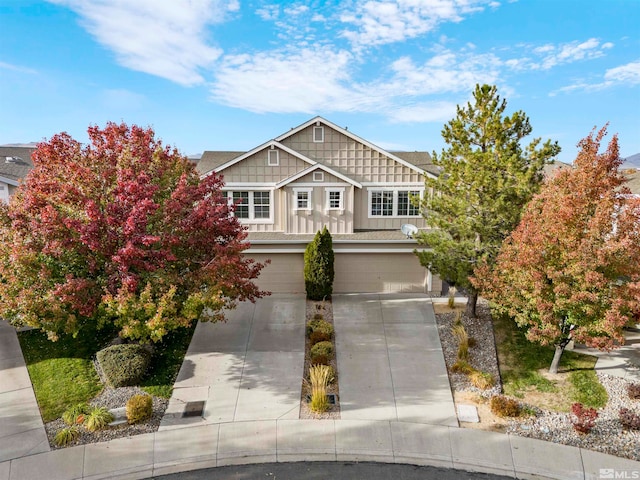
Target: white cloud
{"points": [[17, 68], [269, 12], [378, 22], [547, 56], [423, 112], [624, 75], [167, 39]]}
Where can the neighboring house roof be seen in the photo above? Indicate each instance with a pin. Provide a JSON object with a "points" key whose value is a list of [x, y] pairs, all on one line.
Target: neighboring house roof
{"points": [[211, 160], [15, 162]]}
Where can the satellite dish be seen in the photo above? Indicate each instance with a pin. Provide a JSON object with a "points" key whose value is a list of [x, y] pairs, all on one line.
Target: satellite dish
{"points": [[409, 229]]}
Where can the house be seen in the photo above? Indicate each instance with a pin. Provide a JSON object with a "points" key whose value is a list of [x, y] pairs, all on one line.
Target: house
{"points": [[15, 163], [318, 174]]}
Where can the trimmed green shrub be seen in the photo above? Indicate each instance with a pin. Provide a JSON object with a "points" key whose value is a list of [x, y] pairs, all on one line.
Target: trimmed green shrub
{"points": [[124, 365], [504, 406], [318, 266], [322, 348], [97, 419], [76, 413], [66, 436], [139, 408], [319, 331]]}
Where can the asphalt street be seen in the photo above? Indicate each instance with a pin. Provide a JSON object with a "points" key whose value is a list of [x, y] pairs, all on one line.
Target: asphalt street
{"points": [[329, 470]]}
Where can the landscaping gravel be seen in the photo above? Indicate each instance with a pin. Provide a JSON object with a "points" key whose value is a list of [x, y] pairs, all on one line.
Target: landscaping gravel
{"points": [[607, 436]]}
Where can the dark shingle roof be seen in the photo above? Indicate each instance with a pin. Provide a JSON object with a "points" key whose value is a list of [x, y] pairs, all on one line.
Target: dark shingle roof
{"points": [[15, 162], [633, 181], [213, 159], [419, 159]]}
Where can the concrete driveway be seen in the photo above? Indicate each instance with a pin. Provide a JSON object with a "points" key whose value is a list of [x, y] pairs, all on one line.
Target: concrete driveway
{"points": [[390, 360]]}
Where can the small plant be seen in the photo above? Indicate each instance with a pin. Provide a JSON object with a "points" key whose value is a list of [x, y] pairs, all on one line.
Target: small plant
{"points": [[629, 419], [458, 319], [319, 325], [321, 351], [318, 315], [462, 366], [66, 436], [319, 376], [472, 342], [633, 389], [451, 301], [504, 406], [463, 341], [76, 414], [125, 364], [139, 408], [583, 419], [318, 336], [482, 380], [97, 419]]}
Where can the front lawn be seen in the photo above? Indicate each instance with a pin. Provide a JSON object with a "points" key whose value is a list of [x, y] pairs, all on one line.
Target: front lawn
{"points": [[524, 366], [62, 372]]}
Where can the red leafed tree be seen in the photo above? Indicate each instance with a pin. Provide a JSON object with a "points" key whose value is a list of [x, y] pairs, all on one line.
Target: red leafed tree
{"points": [[571, 269], [120, 231]]}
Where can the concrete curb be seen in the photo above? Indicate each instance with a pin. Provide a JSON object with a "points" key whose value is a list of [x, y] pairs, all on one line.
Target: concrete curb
{"points": [[235, 443]]}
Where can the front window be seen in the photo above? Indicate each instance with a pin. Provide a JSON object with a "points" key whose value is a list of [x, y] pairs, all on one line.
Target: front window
{"points": [[251, 205], [393, 203], [335, 199], [302, 199]]}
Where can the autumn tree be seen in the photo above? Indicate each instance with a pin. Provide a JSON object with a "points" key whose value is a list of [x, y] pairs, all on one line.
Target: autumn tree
{"points": [[318, 266], [120, 231], [486, 178], [571, 269]]}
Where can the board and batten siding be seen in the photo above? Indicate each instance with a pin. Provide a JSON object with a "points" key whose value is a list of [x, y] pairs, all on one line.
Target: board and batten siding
{"points": [[256, 168], [313, 219]]}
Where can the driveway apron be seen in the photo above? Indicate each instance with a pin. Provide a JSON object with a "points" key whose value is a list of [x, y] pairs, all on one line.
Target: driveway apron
{"points": [[390, 360], [249, 368]]}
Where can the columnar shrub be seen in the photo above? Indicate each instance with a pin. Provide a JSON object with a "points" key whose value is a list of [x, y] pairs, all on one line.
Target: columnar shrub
{"points": [[139, 408], [124, 365], [318, 266]]}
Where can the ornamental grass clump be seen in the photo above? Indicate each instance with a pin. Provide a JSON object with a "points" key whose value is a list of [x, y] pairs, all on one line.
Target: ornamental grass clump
{"points": [[319, 376], [481, 380], [97, 419], [76, 414], [66, 436], [504, 406]]}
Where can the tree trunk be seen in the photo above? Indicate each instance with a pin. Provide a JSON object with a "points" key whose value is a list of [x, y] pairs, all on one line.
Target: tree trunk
{"points": [[556, 358], [471, 305]]}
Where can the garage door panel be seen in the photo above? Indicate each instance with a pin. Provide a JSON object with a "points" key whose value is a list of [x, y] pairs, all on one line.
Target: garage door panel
{"points": [[378, 272], [285, 273]]}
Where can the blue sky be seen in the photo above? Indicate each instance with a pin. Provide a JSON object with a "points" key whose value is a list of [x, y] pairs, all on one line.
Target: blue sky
{"points": [[230, 75]]}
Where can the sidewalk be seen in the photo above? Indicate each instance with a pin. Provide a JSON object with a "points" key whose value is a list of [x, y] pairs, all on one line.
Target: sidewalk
{"points": [[246, 371], [21, 428]]}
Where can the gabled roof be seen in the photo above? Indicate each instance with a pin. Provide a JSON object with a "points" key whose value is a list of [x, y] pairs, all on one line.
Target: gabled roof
{"points": [[270, 143], [15, 162], [211, 160], [347, 133], [312, 168]]}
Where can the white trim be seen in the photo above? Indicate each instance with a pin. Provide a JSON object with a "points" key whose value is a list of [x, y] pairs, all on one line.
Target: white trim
{"points": [[313, 168], [271, 151], [320, 177], [321, 130], [327, 195], [395, 191], [336, 251], [258, 149], [318, 185], [309, 192], [250, 185], [297, 129], [293, 240], [411, 185], [251, 205], [8, 181]]}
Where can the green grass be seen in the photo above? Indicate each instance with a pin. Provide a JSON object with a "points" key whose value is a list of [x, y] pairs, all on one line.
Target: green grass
{"points": [[166, 362], [61, 372], [522, 364], [63, 375]]}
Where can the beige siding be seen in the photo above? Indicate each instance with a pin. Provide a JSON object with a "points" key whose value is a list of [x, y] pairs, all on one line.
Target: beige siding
{"points": [[5, 192], [384, 272], [255, 169], [285, 273], [352, 158], [310, 221], [362, 221]]}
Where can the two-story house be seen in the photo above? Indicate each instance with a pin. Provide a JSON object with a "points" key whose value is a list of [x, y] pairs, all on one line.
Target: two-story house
{"points": [[318, 174]]}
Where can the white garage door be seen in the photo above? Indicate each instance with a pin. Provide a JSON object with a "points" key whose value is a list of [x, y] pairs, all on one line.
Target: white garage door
{"points": [[285, 273], [379, 272]]}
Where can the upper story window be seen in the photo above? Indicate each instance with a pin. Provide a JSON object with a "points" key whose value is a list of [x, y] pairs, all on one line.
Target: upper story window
{"points": [[335, 198], [252, 206], [393, 203], [273, 160], [318, 134], [302, 199]]}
